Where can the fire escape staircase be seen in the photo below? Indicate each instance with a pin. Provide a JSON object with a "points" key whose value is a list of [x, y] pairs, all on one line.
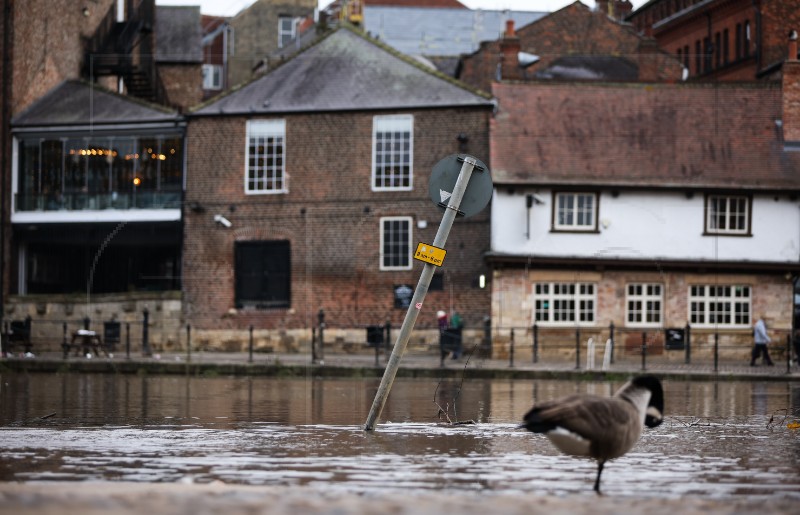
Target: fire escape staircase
{"points": [[124, 49]]}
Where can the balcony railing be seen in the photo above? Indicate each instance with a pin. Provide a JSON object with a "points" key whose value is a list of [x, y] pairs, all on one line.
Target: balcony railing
{"points": [[100, 201]]}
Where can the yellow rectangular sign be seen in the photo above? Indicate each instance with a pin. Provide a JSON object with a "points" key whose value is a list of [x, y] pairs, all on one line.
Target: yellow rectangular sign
{"points": [[430, 254]]}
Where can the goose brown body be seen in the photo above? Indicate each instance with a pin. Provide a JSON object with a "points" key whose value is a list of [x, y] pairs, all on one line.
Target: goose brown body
{"points": [[602, 428]]}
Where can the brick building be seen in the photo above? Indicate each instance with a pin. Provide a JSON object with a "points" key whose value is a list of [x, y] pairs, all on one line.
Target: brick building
{"points": [[179, 56], [729, 40], [259, 31], [92, 163], [573, 43], [308, 188], [658, 213], [215, 31]]}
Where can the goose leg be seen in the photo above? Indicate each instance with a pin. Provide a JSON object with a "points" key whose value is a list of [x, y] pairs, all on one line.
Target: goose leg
{"points": [[599, 471]]}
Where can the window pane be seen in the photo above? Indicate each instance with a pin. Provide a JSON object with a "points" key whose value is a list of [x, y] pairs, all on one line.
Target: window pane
{"points": [[265, 168], [396, 243], [392, 152]]}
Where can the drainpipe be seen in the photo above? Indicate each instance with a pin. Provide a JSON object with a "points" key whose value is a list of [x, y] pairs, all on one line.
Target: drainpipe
{"points": [[5, 120]]}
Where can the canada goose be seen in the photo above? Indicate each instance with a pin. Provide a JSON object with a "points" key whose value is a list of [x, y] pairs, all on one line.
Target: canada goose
{"points": [[602, 428]]}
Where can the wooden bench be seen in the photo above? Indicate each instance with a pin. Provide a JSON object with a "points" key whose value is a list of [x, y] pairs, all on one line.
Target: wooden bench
{"points": [[87, 341]]}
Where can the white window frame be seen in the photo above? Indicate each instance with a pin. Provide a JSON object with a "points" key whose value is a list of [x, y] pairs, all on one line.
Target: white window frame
{"points": [[273, 179], [720, 305], [385, 159], [383, 233], [576, 307], [644, 304], [724, 211], [286, 34], [575, 212], [212, 77]]}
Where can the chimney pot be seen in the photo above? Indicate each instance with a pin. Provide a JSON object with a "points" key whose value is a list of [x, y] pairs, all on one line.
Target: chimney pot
{"points": [[510, 28]]}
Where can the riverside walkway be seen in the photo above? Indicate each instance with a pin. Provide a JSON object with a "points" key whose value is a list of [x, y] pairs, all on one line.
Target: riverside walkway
{"points": [[413, 364]]}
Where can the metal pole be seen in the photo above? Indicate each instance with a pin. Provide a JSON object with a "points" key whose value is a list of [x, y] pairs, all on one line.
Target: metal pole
{"points": [[313, 345], [535, 343], [250, 359], [64, 344], [127, 340], [145, 338], [688, 344], [577, 348], [321, 342], [511, 352], [716, 350], [789, 353], [644, 351], [188, 343], [419, 294], [611, 336]]}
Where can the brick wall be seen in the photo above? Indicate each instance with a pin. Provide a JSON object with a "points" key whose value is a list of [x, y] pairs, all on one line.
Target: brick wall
{"points": [[255, 34], [791, 101], [183, 83], [48, 46], [331, 219], [512, 307], [573, 30]]}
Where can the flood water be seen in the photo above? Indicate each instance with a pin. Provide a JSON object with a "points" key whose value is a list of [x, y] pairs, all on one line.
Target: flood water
{"points": [[720, 440]]}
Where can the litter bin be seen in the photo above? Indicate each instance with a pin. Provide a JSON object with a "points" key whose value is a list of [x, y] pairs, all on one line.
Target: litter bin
{"points": [[111, 334], [375, 336], [674, 339]]}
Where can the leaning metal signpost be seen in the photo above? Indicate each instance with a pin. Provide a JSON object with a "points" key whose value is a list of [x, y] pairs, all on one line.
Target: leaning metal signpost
{"points": [[454, 187]]}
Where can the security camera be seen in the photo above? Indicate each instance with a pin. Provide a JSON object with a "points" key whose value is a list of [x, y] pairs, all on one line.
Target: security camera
{"points": [[222, 220]]}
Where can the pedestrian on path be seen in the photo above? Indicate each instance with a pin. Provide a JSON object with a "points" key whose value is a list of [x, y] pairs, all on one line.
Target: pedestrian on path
{"points": [[760, 341]]}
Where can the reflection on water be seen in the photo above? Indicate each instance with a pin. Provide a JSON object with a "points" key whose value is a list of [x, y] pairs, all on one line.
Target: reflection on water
{"points": [[717, 440]]}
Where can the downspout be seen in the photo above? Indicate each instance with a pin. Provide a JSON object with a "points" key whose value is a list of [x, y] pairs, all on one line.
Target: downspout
{"points": [[5, 120], [759, 53]]}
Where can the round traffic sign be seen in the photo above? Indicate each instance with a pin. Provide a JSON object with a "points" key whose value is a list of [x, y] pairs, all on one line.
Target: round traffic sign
{"points": [[443, 180]]}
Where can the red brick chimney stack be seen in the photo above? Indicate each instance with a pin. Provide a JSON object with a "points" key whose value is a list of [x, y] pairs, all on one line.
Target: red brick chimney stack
{"points": [[509, 50], [791, 92]]}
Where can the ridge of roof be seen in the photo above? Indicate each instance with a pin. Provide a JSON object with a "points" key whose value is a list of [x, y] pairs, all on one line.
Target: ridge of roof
{"points": [[194, 111], [410, 60], [237, 87]]}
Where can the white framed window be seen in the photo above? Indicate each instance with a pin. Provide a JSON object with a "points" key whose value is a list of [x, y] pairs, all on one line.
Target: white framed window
{"points": [[392, 152], [212, 76], [719, 305], [560, 303], [575, 211], [643, 304], [728, 214], [287, 30], [265, 169], [395, 243]]}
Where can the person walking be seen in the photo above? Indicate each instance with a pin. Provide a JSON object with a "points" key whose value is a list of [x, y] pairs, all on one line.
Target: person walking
{"points": [[760, 341]]}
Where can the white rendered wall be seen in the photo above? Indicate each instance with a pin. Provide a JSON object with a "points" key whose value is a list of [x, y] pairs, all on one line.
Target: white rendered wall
{"points": [[646, 225]]}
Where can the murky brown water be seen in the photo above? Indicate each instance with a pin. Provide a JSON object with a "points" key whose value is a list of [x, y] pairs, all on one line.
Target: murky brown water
{"points": [[720, 440]]}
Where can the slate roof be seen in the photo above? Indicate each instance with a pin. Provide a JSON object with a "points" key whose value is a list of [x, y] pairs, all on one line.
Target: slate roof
{"points": [[439, 31], [76, 103], [590, 67], [178, 34], [345, 71], [692, 135]]}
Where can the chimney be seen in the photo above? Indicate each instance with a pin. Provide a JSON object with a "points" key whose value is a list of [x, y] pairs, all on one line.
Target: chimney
{"points": [[509, 50], [648, 60], [602, 6], [791, 93]]}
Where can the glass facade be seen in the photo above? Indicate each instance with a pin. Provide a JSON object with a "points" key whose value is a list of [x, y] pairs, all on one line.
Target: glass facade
{"points": [[100, 172]]}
